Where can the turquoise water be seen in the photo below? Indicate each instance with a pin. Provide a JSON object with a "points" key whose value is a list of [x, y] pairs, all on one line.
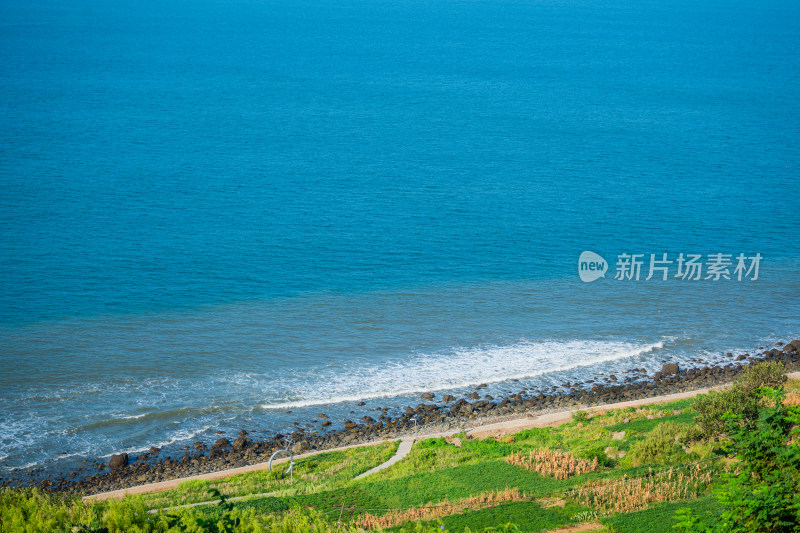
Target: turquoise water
{"points": [[214, 212]]}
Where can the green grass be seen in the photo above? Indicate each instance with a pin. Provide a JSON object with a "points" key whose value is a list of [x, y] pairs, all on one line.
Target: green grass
{"points": [[527, 516], [659, 518], [313, 473]]}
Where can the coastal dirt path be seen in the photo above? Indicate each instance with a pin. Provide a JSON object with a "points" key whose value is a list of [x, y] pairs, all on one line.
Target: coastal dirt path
{"points": [[402, 451], [483, 430]]}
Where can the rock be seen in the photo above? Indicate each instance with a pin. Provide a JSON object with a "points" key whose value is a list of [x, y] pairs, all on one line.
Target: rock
{"points": [[796, 344], [118, 461], [670, 369], [322, 415], [241, 443], [428, 396], [626, 421], [789, 348], [449, 398], [368, 420], [221, 443], [474, 396], [300, 447], [326, 423], [199, 445], [361, 404], [348, 424], [481, 386], [455, 441], [741, 357], [154, 449], [618, 435]]}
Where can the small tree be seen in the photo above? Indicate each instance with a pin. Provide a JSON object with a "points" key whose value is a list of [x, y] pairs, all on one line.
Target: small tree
{"points": [[763, 493]]}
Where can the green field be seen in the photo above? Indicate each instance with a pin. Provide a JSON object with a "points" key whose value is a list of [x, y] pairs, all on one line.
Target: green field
{"points": [[539, 479]]}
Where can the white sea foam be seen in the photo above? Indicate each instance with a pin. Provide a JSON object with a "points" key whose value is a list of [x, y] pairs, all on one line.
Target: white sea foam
{"points": [[457, 369]]}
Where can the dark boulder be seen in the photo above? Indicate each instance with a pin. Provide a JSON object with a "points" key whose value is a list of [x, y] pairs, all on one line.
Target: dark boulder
{"points": [[670, 369], [118, 461], [428, 396], [221, 443], [241, 443], [448, 398]]}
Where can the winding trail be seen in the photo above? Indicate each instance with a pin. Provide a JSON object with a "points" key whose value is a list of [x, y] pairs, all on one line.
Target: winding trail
{"points": [[402, 451]]}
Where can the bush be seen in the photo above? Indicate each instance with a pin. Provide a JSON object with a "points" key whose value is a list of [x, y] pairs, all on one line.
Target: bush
{"points": [[580, 416], [713, 406], [771, 374], [660, 447], [761, 494], [743, 399]]}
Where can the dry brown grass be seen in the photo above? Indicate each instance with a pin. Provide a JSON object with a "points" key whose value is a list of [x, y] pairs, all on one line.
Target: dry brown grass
{"points": [[633, 494], [552, 463], [432, 511]]}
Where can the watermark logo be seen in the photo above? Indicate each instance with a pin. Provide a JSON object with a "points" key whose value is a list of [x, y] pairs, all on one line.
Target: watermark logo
{"points": [[687, 267], [591, 266]]}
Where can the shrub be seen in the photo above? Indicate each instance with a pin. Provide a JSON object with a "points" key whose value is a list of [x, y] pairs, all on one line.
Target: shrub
{"points": [[713, 406], [769, 374], [580, 416], [761, 495], [659, 447]]}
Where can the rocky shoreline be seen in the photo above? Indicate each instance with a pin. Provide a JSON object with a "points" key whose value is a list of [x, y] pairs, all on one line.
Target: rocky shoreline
{"points": [[449, 413]]}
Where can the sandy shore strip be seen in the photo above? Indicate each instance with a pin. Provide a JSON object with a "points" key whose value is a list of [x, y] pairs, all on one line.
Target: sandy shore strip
{"points": [[486, 428]]}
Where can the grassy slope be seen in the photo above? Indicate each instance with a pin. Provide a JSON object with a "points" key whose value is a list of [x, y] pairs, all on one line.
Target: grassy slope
{"points": [[436, 472], [439, 474]]}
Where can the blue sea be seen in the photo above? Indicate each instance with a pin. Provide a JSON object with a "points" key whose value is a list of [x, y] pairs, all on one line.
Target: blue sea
{"points": [[219, 215]]}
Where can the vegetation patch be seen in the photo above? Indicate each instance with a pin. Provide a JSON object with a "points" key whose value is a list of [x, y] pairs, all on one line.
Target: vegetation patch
{"points": [[552, 463], [636, 493]]}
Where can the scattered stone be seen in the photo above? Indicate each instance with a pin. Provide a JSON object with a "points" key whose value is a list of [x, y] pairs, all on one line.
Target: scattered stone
{"points": [[428, 396], [455, 441], [221, 443], [448, 398], [670, 369], [618, 435], [300, 447], [118, 461]]}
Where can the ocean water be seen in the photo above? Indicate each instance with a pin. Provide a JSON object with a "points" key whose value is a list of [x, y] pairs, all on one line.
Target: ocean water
{"points": [[227, 214]]}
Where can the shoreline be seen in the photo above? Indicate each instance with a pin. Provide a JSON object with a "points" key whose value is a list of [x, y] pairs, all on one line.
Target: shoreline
{"points": [[447, 416], [486, 428]]}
